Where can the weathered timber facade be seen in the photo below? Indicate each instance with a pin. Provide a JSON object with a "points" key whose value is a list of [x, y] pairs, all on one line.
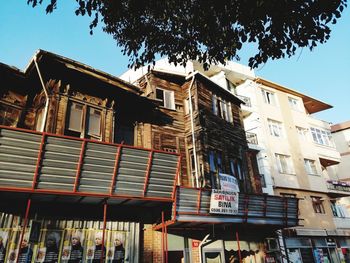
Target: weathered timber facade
{"points": [[84, 154], [222, 138]]}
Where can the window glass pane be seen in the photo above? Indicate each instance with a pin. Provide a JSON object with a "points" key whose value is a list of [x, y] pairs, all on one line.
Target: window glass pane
{"points": [[169, 99], [214, 105], [211, 161], [160, 95], [75, 117], [39, 119], [9, 116], [94, 122]]}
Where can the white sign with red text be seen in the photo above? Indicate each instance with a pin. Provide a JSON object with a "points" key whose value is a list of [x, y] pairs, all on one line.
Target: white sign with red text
{"points": [[223, 202], [228, 183]]}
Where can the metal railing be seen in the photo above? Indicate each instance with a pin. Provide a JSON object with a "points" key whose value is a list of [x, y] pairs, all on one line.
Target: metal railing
{"points": [[252, 138], [36, 162], [193, 205]]}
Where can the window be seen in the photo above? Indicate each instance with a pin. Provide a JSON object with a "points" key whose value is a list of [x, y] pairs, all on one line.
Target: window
{"points": [[235, 168], [275, 128], [124, 133], [222, 108], [262, 180], [284, 164], [84, 121], [294, 103], [310, 166], [166, 97], [302, 133], [215, 165], [321, 136], [9, 116], [269, 97], [317, 204], [215, 104]]}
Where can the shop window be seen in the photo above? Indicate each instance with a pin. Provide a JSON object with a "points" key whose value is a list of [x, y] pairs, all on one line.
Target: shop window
{"points": [[317, 204], [166, 97], [269, 97], [9, 115], [284, 164], [84, 121]]}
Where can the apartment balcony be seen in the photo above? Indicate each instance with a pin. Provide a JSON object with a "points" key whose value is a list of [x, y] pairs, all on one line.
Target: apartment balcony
{"points": [[192, 207], [247, 106], [49, 167], [252, 138], [342, 222], [338, 188]]}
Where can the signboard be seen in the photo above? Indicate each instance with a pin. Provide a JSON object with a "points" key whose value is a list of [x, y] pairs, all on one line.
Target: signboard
{"points": [[195, 243], [228, 183], [223, 202]]}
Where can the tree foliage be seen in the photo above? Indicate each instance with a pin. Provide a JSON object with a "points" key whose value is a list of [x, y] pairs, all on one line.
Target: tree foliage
{"points": [[210, 31]]}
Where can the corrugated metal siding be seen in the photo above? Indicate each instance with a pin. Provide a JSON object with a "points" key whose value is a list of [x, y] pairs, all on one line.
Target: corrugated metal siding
{"points": [[194, 204], [140, 172]]}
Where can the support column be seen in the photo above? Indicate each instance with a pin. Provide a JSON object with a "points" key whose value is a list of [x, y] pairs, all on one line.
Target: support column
{"points": [[24, 227], [103, 231], [239, 247]]}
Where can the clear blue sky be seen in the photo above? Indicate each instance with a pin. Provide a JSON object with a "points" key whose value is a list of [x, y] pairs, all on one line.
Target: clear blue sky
{"points": [[322, 74]]}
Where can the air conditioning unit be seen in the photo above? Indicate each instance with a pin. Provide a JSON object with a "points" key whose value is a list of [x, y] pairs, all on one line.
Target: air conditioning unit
{"points": [[272, 244]]}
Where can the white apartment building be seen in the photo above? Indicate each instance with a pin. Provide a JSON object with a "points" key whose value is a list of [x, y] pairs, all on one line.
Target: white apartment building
{"points": [[295, 156]]}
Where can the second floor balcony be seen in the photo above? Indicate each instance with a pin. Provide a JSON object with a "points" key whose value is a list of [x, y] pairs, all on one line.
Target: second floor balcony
{"points": [[47, 164]]}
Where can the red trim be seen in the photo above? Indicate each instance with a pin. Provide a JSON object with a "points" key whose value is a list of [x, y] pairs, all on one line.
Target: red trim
{"points": [[175, 205], [86, 140], [24, 227], [163, 239], [199, 201], [239, 247], [177, 176], [43, 191], [166, 243], [38, 161], [148, 171], [80, 163], [103, 230], [115, 171]]}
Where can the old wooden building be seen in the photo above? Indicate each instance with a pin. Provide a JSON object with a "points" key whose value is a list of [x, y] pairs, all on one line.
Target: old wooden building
{"points": [[85, 156]]}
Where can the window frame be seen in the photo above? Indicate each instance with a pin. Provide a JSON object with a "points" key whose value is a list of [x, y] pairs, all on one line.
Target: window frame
{"points": [[222, 108], [164, 101], [275, 128], [317, 204], [321, 136], [6, 113], [84, 121], [269, 97], [294, 103], [284, 164], [302, 133], [310, 166]]}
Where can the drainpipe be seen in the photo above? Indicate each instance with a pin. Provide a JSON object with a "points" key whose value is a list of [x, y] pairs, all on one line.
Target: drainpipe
{"points": [[200, 247], [46, 109], [192, 128]]}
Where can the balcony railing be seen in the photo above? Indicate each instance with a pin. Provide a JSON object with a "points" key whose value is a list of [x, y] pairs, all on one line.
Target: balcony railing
{"points": [[252, 138], [338, 188], [33, 162], [246, 100], [192, 205]]}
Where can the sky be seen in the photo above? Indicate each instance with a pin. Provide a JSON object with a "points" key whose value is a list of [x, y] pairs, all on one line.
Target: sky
{"points": [[323, 73]]}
